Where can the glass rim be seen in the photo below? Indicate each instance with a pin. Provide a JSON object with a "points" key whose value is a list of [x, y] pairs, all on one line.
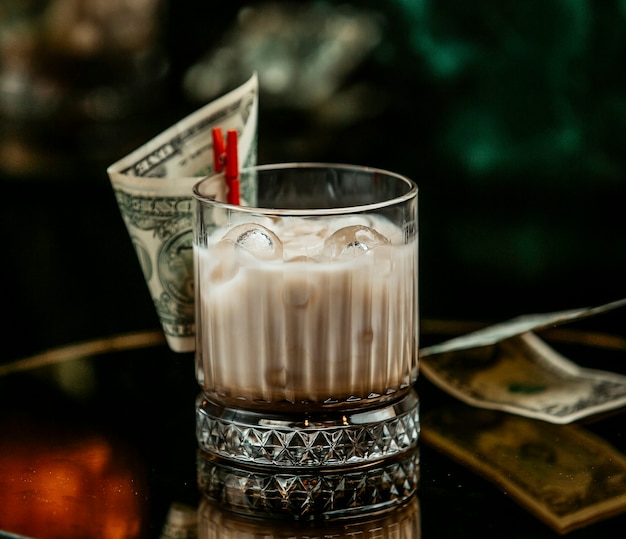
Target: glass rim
{"points": [[359, 208]]}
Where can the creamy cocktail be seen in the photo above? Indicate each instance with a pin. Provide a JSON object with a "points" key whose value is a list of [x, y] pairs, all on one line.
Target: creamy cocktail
{"points": [[307, 311]]}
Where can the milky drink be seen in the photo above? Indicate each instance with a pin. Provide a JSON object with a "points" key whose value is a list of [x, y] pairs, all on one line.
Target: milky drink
{"points": [[302, 311]]}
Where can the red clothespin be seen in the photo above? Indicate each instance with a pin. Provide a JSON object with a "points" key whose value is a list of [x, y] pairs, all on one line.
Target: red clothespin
{"points": [[219, 150], [232, 167], [225, 157]]}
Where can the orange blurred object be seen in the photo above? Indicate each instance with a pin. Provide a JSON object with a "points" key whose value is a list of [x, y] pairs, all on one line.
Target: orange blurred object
{"points": [[59, 484]]}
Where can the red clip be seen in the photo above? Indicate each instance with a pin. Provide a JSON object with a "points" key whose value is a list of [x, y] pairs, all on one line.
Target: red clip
{"points": [[232, 167], [219, 149], [225, 157]]}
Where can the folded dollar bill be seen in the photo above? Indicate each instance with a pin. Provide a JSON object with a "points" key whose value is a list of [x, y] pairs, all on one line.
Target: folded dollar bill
{"points": [[508, 367], [565, 475], [153, 187]]}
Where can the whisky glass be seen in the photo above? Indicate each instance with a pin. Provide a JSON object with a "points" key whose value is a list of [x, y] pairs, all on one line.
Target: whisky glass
{"points": [[306, 297]]}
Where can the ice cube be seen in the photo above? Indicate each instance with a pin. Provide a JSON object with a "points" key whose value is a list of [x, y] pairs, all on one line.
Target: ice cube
{"points": [[224, 262], [352, 241], [257, 239]]}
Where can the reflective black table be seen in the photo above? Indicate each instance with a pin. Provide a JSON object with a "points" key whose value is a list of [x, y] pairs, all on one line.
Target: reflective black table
{"points": [[98, 441]]}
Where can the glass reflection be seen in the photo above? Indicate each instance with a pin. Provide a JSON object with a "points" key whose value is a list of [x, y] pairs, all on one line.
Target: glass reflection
{"points": [[401, 523]]}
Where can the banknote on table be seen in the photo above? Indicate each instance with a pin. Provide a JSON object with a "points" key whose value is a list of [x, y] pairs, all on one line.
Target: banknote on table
{"points": [[521, 324], [508, 367], [153, 187], [565, 475]]}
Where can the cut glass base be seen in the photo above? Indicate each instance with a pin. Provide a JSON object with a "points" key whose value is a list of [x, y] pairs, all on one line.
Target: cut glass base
{"points": [[309, 440], [309, 465]]}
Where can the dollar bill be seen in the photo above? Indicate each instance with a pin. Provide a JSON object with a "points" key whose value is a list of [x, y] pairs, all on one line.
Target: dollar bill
{"points": [[521, 324], [563, 474], [510, 368], [153, 187]]}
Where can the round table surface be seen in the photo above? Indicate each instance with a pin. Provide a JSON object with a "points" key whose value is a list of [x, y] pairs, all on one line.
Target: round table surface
{"points": [[98, 440]]}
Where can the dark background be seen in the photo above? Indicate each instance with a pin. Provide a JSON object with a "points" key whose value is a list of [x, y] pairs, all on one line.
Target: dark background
{"points": [[510, 116]]}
